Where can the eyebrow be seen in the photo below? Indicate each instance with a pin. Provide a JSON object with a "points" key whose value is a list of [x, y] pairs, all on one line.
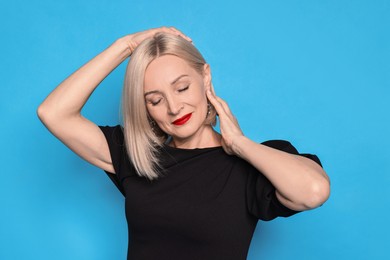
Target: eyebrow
{"points": [[172, 83], [178, 78]]}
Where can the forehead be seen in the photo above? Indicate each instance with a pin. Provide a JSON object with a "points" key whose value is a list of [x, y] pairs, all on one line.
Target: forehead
{"points": [[165, 69]]}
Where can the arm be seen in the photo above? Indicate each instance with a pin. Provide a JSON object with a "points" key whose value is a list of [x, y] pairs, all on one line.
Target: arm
{"points": [[300, 183], [60, 112]]}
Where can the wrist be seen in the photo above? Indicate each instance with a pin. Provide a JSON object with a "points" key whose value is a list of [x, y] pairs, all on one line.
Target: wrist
{"points": [[123, 44], [239, 144]]}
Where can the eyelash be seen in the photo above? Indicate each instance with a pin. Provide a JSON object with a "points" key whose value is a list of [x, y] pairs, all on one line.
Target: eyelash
{"points": [[155, 103], [180, 90], [184, 89]]}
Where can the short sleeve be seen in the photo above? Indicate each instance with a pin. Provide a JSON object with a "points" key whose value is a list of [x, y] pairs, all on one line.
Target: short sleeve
{"points": [[261, 197], [115, 141]]}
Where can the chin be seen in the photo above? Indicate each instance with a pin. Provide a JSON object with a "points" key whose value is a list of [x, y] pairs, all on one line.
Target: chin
{"points": [[186, 134], [181, 136]]}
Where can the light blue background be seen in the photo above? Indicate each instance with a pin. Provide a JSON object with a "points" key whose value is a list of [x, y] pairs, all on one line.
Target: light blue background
{"points": [[312, 72]]}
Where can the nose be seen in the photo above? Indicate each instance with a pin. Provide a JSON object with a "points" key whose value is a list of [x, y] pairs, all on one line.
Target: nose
{"points": [[174, 106]]}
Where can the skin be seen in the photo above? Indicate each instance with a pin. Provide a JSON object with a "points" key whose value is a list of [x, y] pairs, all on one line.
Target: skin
{"points": [[167, 102], [60, 112], [300, 183]]}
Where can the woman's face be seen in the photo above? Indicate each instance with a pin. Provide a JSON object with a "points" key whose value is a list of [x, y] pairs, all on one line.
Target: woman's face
{"points": [[175, 96]]}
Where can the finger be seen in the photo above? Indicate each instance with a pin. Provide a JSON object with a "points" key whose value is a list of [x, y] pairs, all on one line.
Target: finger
{"points": [[223, 104], [162, 29], [180, 33], [172, 30], [211, 87], [217, 105], [227, 110]]}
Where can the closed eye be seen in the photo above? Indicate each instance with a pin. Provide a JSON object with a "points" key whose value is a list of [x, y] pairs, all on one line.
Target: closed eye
{"points": [[184, 89], [154, 102]]}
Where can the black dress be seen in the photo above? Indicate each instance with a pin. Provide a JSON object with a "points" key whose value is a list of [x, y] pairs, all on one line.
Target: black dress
{"points": [[205, 205]]}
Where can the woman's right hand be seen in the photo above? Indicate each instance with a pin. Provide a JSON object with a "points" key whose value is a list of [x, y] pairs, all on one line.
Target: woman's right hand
{"points": [[61, 110], [133, 40]]}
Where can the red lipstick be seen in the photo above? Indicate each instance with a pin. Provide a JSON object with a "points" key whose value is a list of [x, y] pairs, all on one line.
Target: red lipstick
{"points": [[182, 120]]}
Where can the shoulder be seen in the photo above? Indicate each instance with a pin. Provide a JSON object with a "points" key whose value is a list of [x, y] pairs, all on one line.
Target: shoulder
{"points": [[113, 134], [286, 146], [282, 145]]}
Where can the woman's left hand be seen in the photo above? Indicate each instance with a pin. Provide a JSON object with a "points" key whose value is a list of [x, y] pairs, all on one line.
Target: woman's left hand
{"points": [[228, 124]]}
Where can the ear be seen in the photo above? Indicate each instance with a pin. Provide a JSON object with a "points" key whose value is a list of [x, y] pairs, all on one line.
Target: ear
{"points": [[206, 75]]}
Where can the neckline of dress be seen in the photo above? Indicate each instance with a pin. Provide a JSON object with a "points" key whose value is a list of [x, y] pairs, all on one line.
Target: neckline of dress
{"points": [[192, 149]]}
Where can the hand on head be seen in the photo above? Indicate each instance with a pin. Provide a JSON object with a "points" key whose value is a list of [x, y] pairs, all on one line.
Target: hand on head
{"points": [[133, 40]]}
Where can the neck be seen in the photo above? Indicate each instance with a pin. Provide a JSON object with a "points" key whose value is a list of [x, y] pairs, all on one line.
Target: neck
{"points": [[206, 138]]}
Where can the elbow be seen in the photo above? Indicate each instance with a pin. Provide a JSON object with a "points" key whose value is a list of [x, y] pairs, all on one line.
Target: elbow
{"points": [[52, 118], [46, 115], [319, 194], [42, 113]]}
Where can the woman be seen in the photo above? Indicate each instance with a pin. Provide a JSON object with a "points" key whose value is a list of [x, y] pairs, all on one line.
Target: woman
{"points": [[191, 192]]}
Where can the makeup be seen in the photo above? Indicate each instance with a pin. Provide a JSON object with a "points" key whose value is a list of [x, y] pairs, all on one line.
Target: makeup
{"points": [[182, 120]]}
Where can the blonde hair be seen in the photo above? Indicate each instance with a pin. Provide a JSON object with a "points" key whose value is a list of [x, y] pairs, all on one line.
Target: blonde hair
{"points": [[142, 140]]}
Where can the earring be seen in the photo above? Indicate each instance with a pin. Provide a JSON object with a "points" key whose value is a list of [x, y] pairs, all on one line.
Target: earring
{"points": [[152, 124], [208, 108]]}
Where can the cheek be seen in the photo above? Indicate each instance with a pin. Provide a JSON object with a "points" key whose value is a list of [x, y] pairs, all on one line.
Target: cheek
{"points": [[203, 99], [157, 114], [199, 96], [152, 112]]}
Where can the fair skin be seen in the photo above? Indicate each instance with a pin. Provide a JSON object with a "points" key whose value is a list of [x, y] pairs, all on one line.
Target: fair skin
{"points": [[167, 102], [60, 112], [300, 183]]}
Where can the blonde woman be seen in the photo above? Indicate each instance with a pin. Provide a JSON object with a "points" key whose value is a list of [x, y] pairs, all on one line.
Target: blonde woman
{"points": [[191, 192]]}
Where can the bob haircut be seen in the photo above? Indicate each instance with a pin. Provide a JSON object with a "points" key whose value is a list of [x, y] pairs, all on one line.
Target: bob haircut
{"points": [[142, 136]]}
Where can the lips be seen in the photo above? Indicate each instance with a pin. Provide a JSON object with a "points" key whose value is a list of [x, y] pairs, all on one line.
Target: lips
{"points": [[182, 120]]}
